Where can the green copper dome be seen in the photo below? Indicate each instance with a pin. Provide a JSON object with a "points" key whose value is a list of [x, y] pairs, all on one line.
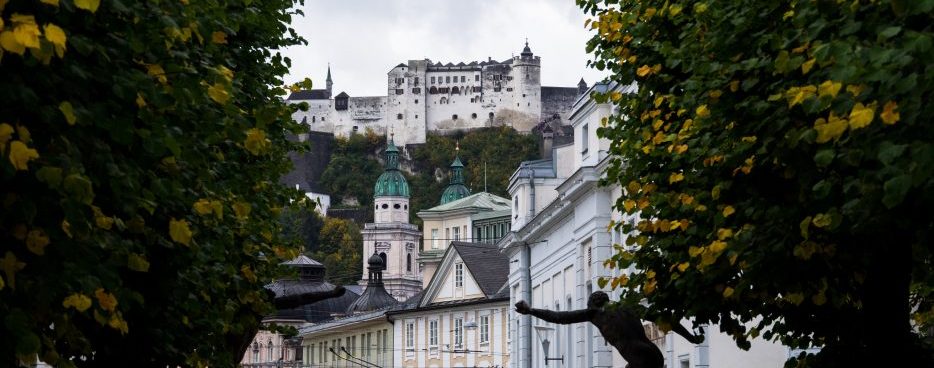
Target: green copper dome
{"points": [[391, 183], [456, 188]]}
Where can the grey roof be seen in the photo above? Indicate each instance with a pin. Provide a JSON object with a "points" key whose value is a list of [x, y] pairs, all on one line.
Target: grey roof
{"points": [[488, 266], [303, 260], [541, 169], [343, 321], [401, 65], [477, 200], [321, 310], [374, 297], [342, 95], [491, 214], [312, 94]]}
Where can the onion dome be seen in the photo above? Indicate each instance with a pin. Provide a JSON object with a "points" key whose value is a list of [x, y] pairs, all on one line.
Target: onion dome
{"points": [[391, 183]]}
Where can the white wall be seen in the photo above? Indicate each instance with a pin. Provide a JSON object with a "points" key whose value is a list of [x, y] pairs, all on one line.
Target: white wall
{"points": [[492, 353]]}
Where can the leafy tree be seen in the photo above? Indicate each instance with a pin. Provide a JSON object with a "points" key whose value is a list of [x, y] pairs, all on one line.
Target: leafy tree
{"points": [[778, 167], [302, 225], [142, 146], [352, 164], [501, 148], [339, 250]]}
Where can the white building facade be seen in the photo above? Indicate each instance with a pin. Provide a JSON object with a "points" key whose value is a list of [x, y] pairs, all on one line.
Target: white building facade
{"points": [[556, 251]]}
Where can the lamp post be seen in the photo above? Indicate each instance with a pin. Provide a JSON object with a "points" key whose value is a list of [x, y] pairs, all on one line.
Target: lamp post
{"points": [[543, 338]]}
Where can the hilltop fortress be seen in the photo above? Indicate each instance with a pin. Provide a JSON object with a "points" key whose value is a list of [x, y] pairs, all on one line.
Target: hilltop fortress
{"points": [[423, 97]]}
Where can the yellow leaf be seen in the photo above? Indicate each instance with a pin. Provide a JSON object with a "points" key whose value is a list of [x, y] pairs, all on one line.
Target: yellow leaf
{"points": [[202, 207], [218, 93], [683, 266], [724, 234], [658, 101], [20, 155], [77, 301], [256, 141], [140, 101], [821, 220], [889, 114], [855, 89], [797, 95], [727, 292], [156, 70], [248, 273], [717, 246], [8, 42], [695, 251], [650, 12], [827, 130], [643, 70], [728, 210], [116, 322], [674, 10], [715, 94], [89, 5], [649, 286], [702, 111], [676, 177], [629, 205], [51, 2], [615, 96], [749, 139], [56, 36], [800, 49], [25, 30], [36, 241], [788, 14], [862, 115], [700, 8], [6, 133], [734, 86], [807, 65], [650, 274], [179, 231], [242, 210], [106, 300], [829, 88], [68, 111], [218, 208], [137, 263], [219, 37]]}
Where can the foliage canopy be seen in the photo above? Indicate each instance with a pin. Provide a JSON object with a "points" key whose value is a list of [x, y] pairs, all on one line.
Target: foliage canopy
{"points": [[142, 146], [777, 164]]}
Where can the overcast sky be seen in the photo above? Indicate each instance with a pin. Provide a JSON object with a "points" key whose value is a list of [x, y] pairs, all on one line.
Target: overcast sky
{"points": [[363, 39]]}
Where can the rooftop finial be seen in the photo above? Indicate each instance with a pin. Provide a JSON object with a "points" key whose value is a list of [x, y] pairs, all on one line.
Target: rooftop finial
{"points": [[457, 146]]}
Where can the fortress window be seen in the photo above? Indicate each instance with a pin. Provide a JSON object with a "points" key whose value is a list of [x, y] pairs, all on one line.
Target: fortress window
{"points": [[491, 116], [476, 77], [523, 95], [416, 81], [473, 116], [416, 90], [463, 79], [454, 117], [416, 101], [399, 116], [526, 76], [432, 80], [447, 79], [322, 118], [416, 116], [313, 119], [455, 90], [433, 90], [355, 128], [444, 100], [399, 91]]}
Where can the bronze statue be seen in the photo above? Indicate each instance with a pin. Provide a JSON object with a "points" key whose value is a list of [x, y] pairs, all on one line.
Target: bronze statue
{"points": [[620, 326]]}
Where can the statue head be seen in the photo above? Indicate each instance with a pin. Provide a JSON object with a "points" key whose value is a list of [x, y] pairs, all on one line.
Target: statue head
{"points": [[597, 300]]}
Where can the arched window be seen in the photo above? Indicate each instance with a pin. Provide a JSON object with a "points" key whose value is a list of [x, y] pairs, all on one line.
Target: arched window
{"points": [[269, 351], [444, 100], [313, 119], [255, 352], [385, 260], [408, 262], [455, 90], [454, 117], [473, 116], [433, 90], [491, 115]]}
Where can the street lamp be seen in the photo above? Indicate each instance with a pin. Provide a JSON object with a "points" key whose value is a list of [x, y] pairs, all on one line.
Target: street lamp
{"points": [[543, 337]]}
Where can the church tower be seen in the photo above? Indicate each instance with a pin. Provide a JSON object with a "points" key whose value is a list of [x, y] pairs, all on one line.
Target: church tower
{"points": [[391, 236], [456, 188], [328, 83]]}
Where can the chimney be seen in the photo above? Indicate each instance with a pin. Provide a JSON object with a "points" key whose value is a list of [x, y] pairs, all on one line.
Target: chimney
{"points": [[548, 139]]}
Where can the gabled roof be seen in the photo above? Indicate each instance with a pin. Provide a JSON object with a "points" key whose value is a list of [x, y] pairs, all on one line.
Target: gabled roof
{"points": [[486, 265], [342, 95], [477, 200], [302, 260], [401, 65], [489, 267], [312, 94]]}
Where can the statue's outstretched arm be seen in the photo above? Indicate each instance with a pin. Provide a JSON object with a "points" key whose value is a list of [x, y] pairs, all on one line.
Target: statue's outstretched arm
{"points": [[563, 318], [692, 338]]}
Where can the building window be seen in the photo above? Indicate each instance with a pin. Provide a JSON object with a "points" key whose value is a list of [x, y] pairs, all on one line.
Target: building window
{"points": [[463, 79], [433, 333], [255, 352], [416, 81], [484, 329], [459, 275], [269, 351], [385, 260], [476, 77], [313, 119], [409, 335], [447, 234], [585, 136], [396, 206], [447, 79], [324, 352], [457, 233], [408, 262], [466, 234], [491, 115], [434, 238], [355, 128], [322, 119], [473, 115], [416, 102], [399, 116], [432, 80], [458, 332], [454, 117]]}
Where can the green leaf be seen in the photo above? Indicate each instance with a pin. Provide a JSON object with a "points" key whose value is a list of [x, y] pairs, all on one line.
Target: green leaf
{"points": [[79, 188], [888, 152], [50, 175], [895, 190], [824, 157], [137, 263], [889, 32]]}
